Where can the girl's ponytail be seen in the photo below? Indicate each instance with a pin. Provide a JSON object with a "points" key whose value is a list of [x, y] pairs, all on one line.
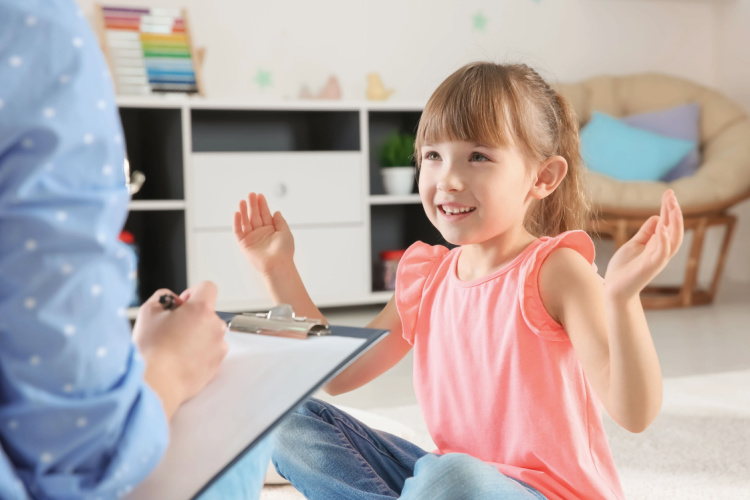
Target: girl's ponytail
{"points": [[567, 207]]}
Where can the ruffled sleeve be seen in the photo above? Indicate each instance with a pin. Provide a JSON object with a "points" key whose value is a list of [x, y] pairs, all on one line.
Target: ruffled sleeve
{"points": [[414, 269], [532, 308]]}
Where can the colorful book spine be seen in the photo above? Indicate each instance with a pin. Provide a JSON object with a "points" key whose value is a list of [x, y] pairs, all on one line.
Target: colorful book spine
{"points": [[149, 50]]}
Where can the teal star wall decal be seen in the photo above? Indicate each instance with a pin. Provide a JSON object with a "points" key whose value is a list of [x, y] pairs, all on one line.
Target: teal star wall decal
{"points": [[480, 21], [263, 78]]}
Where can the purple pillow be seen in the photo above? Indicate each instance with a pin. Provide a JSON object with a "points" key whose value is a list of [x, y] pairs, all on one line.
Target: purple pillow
{"points": [[680, 122]]}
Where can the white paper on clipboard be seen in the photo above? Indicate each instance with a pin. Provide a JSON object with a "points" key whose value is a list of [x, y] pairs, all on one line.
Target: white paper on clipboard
{"points": [[261, 380]]}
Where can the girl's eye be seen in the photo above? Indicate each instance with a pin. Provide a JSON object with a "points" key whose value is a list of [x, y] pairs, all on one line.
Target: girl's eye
{"points": [[432, 155], [478, 157]]}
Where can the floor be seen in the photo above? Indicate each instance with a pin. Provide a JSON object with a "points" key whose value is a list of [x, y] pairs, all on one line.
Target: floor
{"points": [[694, 341]]}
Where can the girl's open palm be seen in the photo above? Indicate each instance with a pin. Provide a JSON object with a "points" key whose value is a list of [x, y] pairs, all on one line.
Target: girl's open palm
{"points": [[264, 239], [639, 260]]}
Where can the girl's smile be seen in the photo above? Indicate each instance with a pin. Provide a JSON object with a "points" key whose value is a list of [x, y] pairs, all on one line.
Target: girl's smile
{"points": [[454, 211]]}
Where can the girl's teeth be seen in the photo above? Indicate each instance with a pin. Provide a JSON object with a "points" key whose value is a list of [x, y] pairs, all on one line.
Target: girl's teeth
{"points": [[457, 210]]}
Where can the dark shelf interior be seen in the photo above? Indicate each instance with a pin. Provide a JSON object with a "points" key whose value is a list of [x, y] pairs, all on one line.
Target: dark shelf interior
{"points": [[382, 124], [153, 138], [160, 236], [396, 227], [252, 130]]}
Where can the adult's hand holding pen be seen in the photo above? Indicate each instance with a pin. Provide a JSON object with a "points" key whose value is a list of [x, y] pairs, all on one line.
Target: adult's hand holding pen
{"points": [[183, 347]]}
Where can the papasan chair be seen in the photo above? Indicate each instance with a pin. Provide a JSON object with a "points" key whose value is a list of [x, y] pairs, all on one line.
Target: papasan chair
{"points": [[722, 180]]}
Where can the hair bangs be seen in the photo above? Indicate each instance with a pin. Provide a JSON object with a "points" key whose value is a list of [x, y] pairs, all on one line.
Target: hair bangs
{"points": [[471, 109]]}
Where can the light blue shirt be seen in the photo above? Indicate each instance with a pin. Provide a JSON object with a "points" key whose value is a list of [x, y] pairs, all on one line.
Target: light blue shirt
{"points": [[77, 420]]}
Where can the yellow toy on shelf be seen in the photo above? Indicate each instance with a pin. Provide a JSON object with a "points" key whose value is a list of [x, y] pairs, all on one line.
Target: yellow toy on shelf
{"points": [[376, 91]]}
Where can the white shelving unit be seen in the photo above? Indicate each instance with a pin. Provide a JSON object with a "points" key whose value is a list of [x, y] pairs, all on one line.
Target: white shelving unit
{"points": [[316, 161], [157, 205], [385, 199]]}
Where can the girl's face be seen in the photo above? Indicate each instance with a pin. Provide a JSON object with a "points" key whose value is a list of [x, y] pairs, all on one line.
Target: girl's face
{"points": [[473, 193]]}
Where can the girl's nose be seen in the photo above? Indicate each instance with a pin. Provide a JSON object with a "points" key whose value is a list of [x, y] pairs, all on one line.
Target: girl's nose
{"points": [[450, 180]]}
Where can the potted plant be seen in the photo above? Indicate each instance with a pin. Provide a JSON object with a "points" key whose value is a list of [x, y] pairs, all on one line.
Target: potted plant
{"points": [[396, 161]]}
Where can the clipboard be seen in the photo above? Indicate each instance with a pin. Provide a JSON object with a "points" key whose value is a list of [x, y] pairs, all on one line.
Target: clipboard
{"points": [[263, 378]]}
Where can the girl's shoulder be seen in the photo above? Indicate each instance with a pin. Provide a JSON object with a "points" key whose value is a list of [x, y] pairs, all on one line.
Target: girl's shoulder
{"points": [[572, 251], [576, 240], [421, 252], [420, 261], [416, 269]]}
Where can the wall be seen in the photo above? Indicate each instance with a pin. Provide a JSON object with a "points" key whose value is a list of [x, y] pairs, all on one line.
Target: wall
{"points": [[733, 56], [733, 78], [414, 44]]}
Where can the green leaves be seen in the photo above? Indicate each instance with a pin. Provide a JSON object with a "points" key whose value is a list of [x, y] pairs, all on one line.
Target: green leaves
{"points": [[397, 150]]}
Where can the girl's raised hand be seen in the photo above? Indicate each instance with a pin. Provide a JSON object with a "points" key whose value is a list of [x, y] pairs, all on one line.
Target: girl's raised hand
{"points": [[264, 239], [639, 260]]}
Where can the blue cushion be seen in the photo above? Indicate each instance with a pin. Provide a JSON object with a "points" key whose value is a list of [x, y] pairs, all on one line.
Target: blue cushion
{"points": [[626, 153], [680, 122]]}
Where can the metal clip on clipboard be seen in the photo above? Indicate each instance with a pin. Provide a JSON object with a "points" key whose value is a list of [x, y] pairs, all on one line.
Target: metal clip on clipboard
{"points": [[280, 321]]}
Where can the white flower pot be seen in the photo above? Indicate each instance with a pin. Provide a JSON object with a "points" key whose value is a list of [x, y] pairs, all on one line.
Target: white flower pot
{"points": [[398, 180]]}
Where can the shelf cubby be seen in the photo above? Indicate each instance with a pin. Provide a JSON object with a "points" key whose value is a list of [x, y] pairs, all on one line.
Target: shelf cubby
{"points": [[381, 124], [221, 130], [160, 237], [396, 227], [153, 138]]}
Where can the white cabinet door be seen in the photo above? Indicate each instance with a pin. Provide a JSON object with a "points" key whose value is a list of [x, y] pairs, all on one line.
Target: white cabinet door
{"points": [[331, 260], [307, 187]]}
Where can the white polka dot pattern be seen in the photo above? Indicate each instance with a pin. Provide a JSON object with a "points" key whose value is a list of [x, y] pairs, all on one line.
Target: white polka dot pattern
{"points": [[79, 395]]}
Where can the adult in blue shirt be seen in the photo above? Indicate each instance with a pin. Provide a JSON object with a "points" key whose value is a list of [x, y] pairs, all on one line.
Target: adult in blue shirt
{"points": [[83, 412]]}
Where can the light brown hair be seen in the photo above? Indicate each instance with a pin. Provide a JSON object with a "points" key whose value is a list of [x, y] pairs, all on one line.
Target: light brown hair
{"points": [[504, 104]]}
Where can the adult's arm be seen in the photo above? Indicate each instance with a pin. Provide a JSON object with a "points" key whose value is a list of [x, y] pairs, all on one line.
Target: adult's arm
{"points": [[77, 419]]}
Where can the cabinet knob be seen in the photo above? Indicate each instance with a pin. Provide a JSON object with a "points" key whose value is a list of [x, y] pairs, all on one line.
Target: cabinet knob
{"points": [[280, 189]]}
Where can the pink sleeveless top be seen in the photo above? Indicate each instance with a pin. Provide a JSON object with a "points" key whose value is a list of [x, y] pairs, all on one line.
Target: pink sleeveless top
{"points": [[497, 378]]}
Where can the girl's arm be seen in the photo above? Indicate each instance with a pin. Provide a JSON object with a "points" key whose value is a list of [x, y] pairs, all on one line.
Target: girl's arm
{"points": [[267, 243], [606, 323], [379, 359]]}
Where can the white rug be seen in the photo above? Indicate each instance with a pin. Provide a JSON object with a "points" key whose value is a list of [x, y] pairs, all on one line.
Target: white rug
{"points": [[698, 447]]}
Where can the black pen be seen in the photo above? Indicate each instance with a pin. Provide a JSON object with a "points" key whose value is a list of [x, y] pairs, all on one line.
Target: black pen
{"points": [[169, 302]]}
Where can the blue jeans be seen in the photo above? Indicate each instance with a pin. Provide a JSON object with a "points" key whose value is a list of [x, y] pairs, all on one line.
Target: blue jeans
{"points": [[328, 455], [245, 479]]}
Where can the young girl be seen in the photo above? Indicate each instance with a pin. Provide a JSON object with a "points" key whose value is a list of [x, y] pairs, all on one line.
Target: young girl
{"points": [[517, 341]]}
